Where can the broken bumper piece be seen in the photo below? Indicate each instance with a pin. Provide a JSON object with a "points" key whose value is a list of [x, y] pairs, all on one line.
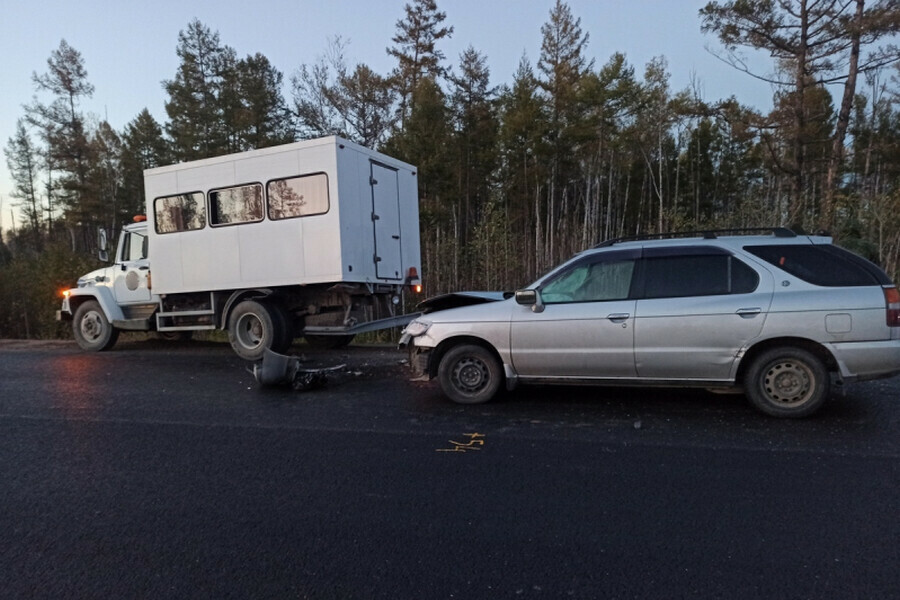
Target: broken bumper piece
{"points": [[278, 369]]}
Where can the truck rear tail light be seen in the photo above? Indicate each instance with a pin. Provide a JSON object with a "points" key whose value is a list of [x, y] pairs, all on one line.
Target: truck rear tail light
{"points": [[892, 302], [412, 279]]}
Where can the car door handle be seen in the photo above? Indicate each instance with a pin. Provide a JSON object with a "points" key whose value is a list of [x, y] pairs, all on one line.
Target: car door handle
{"points": [[748, 313], [618, 317]]}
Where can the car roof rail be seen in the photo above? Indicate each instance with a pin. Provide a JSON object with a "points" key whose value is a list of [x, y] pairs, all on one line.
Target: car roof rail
{"points": [[707, 234]]}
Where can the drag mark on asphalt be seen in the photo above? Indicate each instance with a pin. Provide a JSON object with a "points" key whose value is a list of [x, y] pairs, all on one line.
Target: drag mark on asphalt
{"points": [[474, 443]]}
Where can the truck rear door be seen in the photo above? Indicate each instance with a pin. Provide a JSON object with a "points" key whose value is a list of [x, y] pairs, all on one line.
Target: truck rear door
{"points": [[386, 220]]}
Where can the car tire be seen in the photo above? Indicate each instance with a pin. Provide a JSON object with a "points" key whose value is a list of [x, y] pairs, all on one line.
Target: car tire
{"points": [[92, 329], [787, 382], [254, 326], [470, 374]]}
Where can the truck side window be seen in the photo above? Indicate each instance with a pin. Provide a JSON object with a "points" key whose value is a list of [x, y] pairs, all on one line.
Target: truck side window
{"points": [[238, 204], [181, 212], [298, 196], [134, 247]]}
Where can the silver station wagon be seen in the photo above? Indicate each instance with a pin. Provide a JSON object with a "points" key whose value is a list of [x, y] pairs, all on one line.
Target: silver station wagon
{"points": [[783, 316]]}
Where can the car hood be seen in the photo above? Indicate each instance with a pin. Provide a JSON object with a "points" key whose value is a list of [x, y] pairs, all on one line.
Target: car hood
{"points": [[486, 311], [459, 299]]}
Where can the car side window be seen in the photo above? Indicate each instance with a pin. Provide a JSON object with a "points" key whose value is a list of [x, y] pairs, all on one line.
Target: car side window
{"points": [[697, 275], [591, 282]]}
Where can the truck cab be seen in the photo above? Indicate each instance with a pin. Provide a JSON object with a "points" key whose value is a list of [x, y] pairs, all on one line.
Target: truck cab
{"points": [[113, 298]]}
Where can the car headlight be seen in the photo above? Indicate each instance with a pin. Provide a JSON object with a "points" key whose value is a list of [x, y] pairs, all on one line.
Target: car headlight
{"points": [[416, 328]]}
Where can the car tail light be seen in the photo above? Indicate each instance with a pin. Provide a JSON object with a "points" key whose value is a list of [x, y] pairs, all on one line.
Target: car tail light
{"points": [[892, 302]]}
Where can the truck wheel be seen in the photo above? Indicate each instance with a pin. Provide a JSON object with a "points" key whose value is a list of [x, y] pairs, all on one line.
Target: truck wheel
{"points": [[328, 342], [254, 326], [469, 374], [92, 329], [787, 382]]}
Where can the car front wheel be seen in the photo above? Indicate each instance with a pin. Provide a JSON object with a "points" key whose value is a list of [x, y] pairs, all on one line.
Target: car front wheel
{"points": [[787, 382], [470, 374]]}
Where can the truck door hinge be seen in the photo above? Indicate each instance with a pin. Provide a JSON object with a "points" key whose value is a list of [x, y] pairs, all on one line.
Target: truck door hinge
{"points": [[375, 217], [377, 258], [373, 181]]}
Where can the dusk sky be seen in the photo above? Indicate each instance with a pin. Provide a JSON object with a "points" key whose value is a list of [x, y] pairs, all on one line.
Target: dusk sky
{"points": [[129, 47]]}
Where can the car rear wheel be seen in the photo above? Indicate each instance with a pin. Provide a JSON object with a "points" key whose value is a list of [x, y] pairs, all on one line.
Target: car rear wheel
{"points": [[787, 382], [470, 374]]}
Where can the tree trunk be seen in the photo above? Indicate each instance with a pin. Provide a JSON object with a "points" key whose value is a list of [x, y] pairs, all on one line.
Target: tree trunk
{"points": [[826, 217]]}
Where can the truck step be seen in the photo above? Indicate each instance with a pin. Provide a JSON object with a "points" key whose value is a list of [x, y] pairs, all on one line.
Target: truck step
{"points": [[187, 313]]}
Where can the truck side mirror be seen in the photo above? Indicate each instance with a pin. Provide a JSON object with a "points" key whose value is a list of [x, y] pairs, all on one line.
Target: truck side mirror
{"points": [[103, 255], [530, 298]]}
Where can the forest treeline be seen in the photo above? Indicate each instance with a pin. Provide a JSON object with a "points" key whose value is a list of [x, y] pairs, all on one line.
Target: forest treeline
{"points": [[513, 177]]}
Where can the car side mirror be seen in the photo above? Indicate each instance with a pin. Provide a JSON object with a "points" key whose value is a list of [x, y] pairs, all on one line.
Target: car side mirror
{"points": [[103, 255], [530, 298]]}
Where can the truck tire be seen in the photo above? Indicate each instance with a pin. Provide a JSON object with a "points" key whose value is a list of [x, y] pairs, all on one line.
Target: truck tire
{"points": [[92, 329], [470, 374], [254, 326], [787, 382]]}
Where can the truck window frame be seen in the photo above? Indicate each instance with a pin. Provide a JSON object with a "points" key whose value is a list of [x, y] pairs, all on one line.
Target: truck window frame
{"points": [[302, 215], [213, 213], [201, 203]]}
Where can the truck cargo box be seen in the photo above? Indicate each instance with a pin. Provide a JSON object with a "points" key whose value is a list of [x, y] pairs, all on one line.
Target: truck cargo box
{"points": [[312, 212]]}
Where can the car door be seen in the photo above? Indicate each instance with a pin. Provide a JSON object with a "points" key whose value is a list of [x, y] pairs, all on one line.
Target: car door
{"points": [[585, 328], [131, 281], [696, 308]]}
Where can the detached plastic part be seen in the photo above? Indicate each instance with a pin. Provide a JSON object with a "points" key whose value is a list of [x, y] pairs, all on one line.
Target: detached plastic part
{"points": [[278, 369]]}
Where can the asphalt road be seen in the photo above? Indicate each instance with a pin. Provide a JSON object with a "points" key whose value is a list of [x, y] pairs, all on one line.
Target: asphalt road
{"points": [[164, 471]]}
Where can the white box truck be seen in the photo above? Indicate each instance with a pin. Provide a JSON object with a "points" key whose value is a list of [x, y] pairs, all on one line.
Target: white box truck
{"points": [[317, 238]]}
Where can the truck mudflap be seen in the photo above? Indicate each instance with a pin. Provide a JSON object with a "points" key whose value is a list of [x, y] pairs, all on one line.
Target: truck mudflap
{"points": [[278, 370]]}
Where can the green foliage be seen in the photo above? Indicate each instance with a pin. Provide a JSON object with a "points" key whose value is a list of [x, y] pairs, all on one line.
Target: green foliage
{"points": [[30, 288]]}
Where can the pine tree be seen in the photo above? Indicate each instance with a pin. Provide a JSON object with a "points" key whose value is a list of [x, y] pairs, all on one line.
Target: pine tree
{"points": [[476, 128], [196, 116], [562, 64], [264, 118], [62, 127], [22, 160], [416, 50], [143, 147]]}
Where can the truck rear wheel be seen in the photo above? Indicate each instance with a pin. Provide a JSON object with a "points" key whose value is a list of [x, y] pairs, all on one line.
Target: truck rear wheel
{"points": [[92, 329], [254, 326]]}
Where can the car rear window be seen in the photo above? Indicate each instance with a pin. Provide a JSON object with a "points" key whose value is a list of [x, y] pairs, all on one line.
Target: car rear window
{"points": [[697, 275], [823, 265]]}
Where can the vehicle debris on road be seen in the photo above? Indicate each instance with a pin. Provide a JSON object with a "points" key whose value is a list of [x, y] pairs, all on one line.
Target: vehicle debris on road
{"points": [[277, 369]]}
